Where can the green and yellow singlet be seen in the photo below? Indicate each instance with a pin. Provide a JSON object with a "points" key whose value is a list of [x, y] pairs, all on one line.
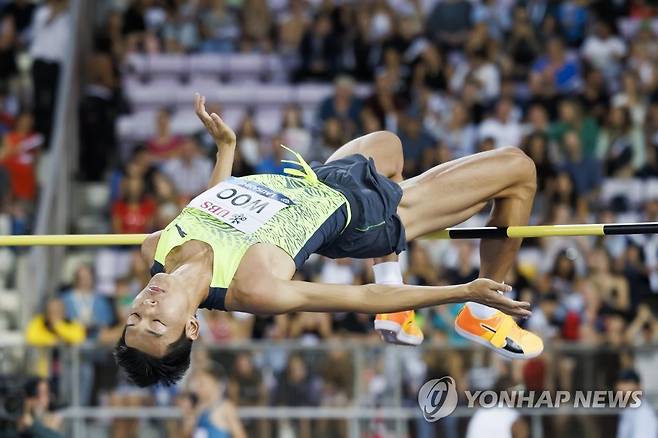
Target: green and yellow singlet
{"points": [[282, 210]]}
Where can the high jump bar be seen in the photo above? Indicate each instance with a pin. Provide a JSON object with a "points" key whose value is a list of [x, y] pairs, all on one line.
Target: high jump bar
{"points": [[450, 233]]}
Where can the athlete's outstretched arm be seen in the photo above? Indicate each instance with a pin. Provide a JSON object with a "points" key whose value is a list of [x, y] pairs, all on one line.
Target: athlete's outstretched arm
{"points": [[270, 295], [224, 139]]}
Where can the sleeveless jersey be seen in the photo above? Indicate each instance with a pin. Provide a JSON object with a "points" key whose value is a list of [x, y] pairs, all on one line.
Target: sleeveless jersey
{"points": [[281, 210]]}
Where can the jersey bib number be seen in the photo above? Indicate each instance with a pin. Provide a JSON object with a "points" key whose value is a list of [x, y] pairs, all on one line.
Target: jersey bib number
{"points": [[244, 205]]}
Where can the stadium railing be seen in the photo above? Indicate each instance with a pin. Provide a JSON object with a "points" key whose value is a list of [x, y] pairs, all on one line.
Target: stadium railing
{"points": [[361, 409]]}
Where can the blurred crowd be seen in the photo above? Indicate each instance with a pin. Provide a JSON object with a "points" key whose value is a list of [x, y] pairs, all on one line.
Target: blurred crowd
{"points": [[573, 83]]}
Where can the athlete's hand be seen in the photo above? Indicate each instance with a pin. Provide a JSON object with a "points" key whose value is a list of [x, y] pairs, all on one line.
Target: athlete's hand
{"points": [[490, 293], [220, 131]]}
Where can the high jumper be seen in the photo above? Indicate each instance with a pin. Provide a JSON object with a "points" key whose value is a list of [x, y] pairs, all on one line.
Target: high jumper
{"points": [[237, 245]]}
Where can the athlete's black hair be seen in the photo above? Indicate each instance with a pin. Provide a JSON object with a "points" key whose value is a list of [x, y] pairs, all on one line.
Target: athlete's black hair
{"points": [[144, 369]]}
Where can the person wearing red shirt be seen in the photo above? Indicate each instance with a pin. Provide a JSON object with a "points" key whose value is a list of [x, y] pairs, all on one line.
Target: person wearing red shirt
{"points": [[135, 212], [18, 154], [164, 144]]}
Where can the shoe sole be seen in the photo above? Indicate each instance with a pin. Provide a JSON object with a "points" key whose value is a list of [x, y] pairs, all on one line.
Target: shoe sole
{"points": [[506, 354], [392, 333]]}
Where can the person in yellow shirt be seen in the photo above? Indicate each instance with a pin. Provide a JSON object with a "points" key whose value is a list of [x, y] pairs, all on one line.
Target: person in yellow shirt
{"points": [[51, 329]]}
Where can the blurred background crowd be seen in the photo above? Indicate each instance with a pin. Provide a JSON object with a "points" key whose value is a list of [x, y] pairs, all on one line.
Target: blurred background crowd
{"points": [[572, 83]]}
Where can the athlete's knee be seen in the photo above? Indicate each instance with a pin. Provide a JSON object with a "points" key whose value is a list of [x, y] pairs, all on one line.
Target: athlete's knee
{"points": [[391, 142], [388, 140], [522, 167]]}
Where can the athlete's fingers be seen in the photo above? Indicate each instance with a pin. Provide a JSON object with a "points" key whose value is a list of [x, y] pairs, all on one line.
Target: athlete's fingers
{"points": [[500, 287], [507, 305], [218, 120], [200, 107]]}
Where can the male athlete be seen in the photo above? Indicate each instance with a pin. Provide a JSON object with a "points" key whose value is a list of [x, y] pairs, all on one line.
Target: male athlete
{"points": [[237, 245]]}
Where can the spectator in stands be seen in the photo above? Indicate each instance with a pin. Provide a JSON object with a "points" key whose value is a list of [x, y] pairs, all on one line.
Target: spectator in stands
{"points": [[421, 270], [293, 133], [536, 147], [573, 18], [343, 106], [37, 419], [603, 50], [219, 29], [163, 189], [135, 211], [247, 388], [317, 51], [523, 44], [228, 326], [479, 68], [164, 144], [310, 327], [189, 170], [416, 140], [449, 23], [642, 64], [271, 160], [240, 167], [337, 375], [179, 31], [49, 49], [572, 117], [632, 97], [297, 386], [557, 70], [212, 414], [18, 154], [291, 27], [249, 141], [384, 102], [595, 95], [139, 165], [458, 133], [585, 171], [98, 111], [256, 23], [20, 12], [83, 304], [499, 421], [95, 312], [635, 422], [51, 329], [134, 25], [502, 126], [612, 288], [429, 69], [329, 141], [621, 145], [650, 169]]}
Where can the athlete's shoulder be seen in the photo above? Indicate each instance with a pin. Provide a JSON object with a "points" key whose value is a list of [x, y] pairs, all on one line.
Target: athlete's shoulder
{"points": [[149, 246]]}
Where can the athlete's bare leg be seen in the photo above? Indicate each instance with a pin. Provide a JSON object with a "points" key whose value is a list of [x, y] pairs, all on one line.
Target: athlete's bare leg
{"points": [[452, 192]]}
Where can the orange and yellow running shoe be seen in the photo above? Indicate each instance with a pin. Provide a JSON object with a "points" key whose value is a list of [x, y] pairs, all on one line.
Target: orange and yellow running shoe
{"points": [[399, 328], [499, 333]]}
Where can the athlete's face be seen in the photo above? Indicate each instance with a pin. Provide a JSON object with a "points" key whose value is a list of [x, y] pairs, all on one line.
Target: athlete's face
{"points": [[158, 316]]}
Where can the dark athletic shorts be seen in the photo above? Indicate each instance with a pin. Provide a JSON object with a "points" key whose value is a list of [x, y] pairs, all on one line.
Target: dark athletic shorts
{"points": [[375, 229]]}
